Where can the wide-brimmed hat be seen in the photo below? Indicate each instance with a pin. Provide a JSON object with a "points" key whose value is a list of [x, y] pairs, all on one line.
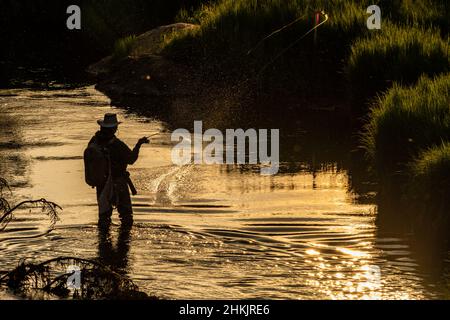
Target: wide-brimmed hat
{"points": [[109, 121]]}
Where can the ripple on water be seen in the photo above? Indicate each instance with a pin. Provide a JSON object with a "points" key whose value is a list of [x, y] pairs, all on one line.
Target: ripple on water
{"points": [[201, 231]]}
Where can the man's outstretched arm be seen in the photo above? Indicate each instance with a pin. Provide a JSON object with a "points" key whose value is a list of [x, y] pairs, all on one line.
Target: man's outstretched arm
{"points": [[133, 156]]}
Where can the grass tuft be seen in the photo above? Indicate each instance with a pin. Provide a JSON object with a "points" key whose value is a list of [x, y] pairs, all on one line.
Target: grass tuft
{"points": [[406, 121], [395, 54], [123, 46]]}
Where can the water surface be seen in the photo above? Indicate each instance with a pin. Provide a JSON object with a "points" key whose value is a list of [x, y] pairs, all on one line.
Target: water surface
{"points": [[201, 231]]}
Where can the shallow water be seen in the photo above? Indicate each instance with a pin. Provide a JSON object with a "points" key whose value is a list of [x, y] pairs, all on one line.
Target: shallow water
{"points": [[201, 231]]}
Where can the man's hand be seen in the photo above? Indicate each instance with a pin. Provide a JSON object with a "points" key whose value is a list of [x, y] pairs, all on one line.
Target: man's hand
{"points": [[143, 140]]}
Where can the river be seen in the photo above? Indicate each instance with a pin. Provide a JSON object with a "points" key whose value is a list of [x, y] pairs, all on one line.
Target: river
{"points": [[201, 231]]}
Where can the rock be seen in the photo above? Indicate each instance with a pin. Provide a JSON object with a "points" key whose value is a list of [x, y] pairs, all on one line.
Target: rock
{"points": [[146, 44], [100, 68], [150, 42]]}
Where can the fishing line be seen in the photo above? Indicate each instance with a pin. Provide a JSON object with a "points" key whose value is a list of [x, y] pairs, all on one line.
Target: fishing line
{"points": [[293, 44], [274, 33]]}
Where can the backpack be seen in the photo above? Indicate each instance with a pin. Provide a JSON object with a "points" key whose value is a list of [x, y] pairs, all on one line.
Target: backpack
{"points": [[96, 164]]}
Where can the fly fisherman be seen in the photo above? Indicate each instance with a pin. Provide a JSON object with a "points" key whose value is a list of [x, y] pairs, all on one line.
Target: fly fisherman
{"points": [[106, 159]]}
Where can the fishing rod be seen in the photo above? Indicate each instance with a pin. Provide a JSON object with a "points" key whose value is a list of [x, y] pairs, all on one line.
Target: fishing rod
{"points": [[152, 135], [155, 134]]}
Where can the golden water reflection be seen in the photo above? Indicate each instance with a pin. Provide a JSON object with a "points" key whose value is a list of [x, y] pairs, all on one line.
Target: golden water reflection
{"points": [[202, 231]]}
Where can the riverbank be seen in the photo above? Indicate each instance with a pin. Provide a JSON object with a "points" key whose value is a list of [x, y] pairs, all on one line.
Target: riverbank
{"points": [[241, 56], [407, 142]]}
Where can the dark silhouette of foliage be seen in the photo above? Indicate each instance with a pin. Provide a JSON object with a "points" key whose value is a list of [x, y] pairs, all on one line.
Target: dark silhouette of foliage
{"points": [[6, 210], [49, 279]]}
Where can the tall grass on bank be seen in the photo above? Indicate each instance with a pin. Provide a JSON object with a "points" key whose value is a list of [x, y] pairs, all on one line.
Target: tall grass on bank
{"points": [[400, 54], [429, 13], [430, 173], [409, 44], [123, 46], [232, 27], [106, 21], [229, 42], [406, 121]]}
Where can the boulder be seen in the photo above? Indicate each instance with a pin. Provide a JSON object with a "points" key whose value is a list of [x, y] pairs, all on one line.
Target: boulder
{"points": [[146, 44]]}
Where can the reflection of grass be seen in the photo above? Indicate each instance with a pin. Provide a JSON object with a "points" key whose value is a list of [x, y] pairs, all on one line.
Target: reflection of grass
{"points": [[123, 46], [396, 54], [430, 172], [429, 184], [407, 121]]}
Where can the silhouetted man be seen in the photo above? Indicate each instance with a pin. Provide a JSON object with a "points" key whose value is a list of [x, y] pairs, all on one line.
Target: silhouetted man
{"points": [[114, 191]]}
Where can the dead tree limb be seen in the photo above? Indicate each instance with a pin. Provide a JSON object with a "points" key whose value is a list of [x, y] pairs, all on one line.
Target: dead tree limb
{"points": [[6, 211]]}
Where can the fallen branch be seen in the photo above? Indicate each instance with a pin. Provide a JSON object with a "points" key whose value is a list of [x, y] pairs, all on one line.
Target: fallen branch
{"points": [[6, 211], [50, 277], [48, 207]]}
